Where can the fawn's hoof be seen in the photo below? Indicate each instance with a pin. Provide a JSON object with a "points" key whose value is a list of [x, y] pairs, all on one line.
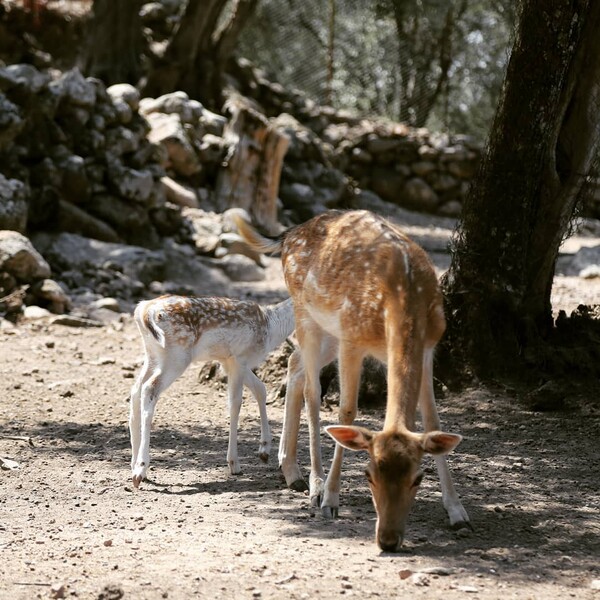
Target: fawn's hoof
{"points": [[299, 485]]}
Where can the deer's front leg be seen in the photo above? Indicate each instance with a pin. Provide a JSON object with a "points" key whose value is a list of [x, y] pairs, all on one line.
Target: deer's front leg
{"points": [[457, 514], [135, 415], [350, 362], [149, 396], [288, 444]]}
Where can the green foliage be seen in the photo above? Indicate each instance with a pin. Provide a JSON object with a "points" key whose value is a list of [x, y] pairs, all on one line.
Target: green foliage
{"points": [[387, 56]]}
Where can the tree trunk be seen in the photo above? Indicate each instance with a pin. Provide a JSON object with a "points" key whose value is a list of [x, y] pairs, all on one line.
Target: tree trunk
{"points": [[199, 50], [114, 42], [545, 135], [250, 176]]}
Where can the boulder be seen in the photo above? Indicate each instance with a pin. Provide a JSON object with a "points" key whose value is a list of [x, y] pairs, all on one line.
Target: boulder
{"points": [[11, 122], [124, 92], [167, 130], [179, 194], [241, 268], [48, 294], [25, 76], [73, 219], [133, 184], [176, 103], [14, 196], [418, 195], [20, 259], [78, 253], [75, 89]]}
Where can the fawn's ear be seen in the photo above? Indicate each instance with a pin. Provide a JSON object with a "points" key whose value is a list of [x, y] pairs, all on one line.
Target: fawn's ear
{"points": [[438, 442], [351, 437]]}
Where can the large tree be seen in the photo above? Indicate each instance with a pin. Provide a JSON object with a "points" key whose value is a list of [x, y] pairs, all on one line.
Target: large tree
{"points": [[543, 142], [196, 57], [114, 42]]}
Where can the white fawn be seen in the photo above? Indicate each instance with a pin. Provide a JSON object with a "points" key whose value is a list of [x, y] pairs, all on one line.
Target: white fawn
{"points": [[177, 330], [361, 287]]}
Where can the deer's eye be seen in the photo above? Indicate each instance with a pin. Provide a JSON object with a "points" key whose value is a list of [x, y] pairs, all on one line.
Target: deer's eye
{"points": [[418, 479], [369, 477]]}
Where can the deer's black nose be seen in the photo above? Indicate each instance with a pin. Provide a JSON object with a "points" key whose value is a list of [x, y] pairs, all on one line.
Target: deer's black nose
{"points": [[389, 543]]}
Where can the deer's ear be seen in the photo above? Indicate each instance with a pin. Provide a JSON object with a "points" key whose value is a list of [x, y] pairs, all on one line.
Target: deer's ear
{"points": [[438, 442], [353, 438]]}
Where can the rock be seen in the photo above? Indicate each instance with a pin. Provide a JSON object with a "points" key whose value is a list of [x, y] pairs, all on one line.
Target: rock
{"points": [[548, 397], [595, 584], [419, 579], [108, 304], [24, 75], [131, 221], [585, 258], [51, 295], [205, 229], [212, 149], [168, 131], [590, 272], [213, 123], [184, 267], [377, 145], [7, 283], [388, 184], [14, 196], [19, 258], [75, 186], [241, 268], [442, 182], [74, 88], [423, 167], [152, 13], [75, 321], [73, 219], [417, 195], [179, 194], [176, 103], [79, 253], [11, 122], [452, 208], [129, 183], [124, 92], [462, 169], [121, 140], [33, 313]]}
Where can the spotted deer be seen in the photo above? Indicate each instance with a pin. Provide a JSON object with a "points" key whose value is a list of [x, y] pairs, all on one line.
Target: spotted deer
{"points": [[361, 287], [177, 330]]}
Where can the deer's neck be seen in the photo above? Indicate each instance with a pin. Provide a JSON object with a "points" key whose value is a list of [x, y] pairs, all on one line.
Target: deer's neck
{"points": [[280, 323]]}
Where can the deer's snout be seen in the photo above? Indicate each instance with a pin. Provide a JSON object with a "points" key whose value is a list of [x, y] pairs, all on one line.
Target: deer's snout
{"points": [[390, 541]]}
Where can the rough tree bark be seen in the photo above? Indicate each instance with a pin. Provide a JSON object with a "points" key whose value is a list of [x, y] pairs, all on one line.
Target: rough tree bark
{"points": [[114, 42], [197, 54], [251, 172], [544, 139]]}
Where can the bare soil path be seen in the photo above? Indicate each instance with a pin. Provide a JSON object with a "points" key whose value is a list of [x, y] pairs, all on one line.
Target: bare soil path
{"points": [[72, 526], [69, 516]]}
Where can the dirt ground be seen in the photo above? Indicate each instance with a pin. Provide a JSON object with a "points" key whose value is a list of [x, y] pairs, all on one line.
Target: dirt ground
{"points": [[71, 525]]}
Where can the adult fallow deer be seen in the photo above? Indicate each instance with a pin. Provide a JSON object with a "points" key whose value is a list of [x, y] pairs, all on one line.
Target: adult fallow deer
{"points": [[361, 287]]}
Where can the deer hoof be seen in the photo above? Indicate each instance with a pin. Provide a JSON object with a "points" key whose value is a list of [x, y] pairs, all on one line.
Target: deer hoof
{"points": [[299, 485], [330, 512]]}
